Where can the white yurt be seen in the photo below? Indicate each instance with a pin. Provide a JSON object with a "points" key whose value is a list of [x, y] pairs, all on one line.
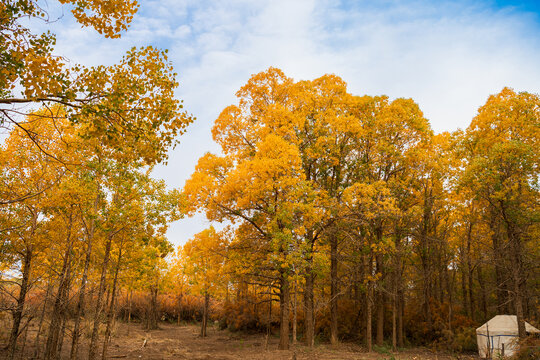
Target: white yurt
{"points": [[498, 337]]}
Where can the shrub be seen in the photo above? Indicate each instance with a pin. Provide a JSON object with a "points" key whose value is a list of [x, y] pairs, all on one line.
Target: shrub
{"points": [[529, 349]]}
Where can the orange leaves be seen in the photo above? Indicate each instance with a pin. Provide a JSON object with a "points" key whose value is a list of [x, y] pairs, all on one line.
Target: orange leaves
{"points": [[203, 260], [108, 17]]}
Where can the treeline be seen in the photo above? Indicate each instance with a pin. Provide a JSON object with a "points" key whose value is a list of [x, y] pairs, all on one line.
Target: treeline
{"points": [[346, 219], [361, 222]]}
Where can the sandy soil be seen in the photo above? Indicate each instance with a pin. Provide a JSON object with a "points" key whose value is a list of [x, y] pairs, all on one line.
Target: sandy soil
{"points": [[184, 342]]}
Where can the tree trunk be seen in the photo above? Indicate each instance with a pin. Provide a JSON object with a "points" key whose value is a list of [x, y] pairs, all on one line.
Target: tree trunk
{"points": [[380, 318], [284, 298], [65, 301], [37, 346], [517, 275], [470, 274], [333, 289], [21, 356], [499, 264], [51, 348], [294, 315], [130, 296], [401, 311], [309, 326], [18, 312], [394, 322], [110, 312], [482, 292], [269, 322], [204, 323], [369, 298], [380, 303], [94, 338], [82, 290], [152, 318]]}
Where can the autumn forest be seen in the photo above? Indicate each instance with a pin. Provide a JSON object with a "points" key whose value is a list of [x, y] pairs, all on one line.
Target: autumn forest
{"points": [[337, 217]]}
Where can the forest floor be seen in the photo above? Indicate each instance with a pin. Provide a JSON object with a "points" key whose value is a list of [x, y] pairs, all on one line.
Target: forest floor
{"points": [[183, 342]]}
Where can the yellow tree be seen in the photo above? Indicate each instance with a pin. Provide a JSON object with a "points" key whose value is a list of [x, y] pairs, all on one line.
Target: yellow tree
{"points": [[500, 159], [391, 136], [204, 257], [130, 107], [262, 190]]}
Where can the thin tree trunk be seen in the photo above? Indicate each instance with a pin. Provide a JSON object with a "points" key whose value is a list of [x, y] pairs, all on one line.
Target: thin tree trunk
{"points": [[294, 315], [130, 297], [401, 306], [204, 323], [368, 316], [37, 346], [18, 312], [82, 290], [110, 313], [284, 312], [380, 317], [333, 289], [309, 328], [61, 337], [517, 274], [21, 356], [482, 292], [380, 304], [51, 348], [65, 303], [464, 290], [269, 322], [394, 321], [470, 274], [94, 338]]}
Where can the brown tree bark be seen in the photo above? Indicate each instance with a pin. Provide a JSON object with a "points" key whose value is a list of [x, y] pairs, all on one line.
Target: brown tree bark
{"points": [[309, 308], [60, 302], [483, 298], [334, 289], [152, 316], [18, 312], [465, 302], [380, 302], [110, 312], [295, 315], [369, 299], [309, 326], [401, 312], [517, 272], [37, 345], [94, 338], [380, 317], [204, 322], [81, 303], [284, 298], [394, 322]]}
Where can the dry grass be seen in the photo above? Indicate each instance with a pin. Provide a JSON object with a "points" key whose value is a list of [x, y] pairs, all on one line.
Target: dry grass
{"points": [[184, 342]]}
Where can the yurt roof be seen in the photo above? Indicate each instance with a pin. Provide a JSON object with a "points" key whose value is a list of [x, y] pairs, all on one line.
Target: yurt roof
{"points": [[504, 325]]}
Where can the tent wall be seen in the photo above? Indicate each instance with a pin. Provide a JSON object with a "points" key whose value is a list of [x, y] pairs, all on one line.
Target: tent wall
{"points": [[496, 344]]}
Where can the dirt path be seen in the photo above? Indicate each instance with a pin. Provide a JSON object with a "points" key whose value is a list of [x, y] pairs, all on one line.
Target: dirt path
{"points": [[183, 342]]}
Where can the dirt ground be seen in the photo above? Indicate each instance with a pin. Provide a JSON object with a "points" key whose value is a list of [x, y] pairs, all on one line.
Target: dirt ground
{"points": [[183, 342]]}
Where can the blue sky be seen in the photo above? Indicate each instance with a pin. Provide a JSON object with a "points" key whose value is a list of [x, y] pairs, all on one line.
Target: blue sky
{"points": [[449, 56]]}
